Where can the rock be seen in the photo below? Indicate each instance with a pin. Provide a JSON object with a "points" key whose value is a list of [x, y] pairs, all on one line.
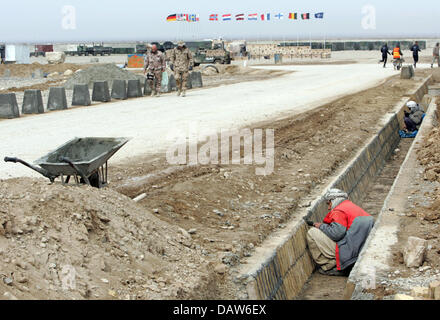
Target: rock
{"points": [[431, 175], [407, 72], [192, 231], [9, 296], [68, 72], [220, 269], [420, 292], [7, 281], [230, 259], [104, 280], [55, 57], [434, 290], [403, 297], [414, 252]]}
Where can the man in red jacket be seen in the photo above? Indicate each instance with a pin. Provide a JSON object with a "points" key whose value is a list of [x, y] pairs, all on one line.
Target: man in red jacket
{"points": [[336, 243]]}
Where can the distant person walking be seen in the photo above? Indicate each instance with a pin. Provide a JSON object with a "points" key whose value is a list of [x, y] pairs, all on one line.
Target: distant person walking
{"points": [[385, 52], [153, 68], [415, 49], [435, 54], [181, 64]]}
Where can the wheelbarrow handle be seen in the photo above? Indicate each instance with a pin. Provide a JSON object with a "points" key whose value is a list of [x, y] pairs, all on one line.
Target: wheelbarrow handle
{"points": [[39, 170], [10, 159]]}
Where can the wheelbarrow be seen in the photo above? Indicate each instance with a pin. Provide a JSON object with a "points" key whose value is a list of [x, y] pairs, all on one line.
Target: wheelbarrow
{"points": [[85, 159]]}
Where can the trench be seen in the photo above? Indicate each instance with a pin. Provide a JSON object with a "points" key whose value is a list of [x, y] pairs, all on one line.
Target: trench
{"points": [[286, 270], [321, 287]]}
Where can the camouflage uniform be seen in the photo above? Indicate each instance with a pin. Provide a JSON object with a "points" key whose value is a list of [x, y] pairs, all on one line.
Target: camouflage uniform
{"points": [[182, 60], [154, 63]]}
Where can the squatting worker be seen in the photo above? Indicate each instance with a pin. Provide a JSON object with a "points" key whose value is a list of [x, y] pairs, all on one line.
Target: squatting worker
{"points": [[181, 63], [413, 119], [154, 65], [336, 243]]}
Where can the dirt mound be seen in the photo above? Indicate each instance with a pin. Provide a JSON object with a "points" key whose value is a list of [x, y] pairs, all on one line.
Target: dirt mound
{"points": [[429, 155], [59, 242], [26, 70], [101, 72]]}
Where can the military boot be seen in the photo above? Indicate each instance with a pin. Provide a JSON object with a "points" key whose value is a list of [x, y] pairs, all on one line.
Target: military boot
{"points": [[179, 93], [153, 93], [183, 93]]}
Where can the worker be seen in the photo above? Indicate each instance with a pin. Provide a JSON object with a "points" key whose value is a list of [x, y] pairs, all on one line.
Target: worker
{"points": [[336, 243], [397, 55], [181, 63], [416, 49], [413, 119], [154, 65], [435, 54], [385, 52]]}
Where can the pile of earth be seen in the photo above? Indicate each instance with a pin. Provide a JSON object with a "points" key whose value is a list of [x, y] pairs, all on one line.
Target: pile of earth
{"points": [[26, 70], [429, 155], [78, 242], [101, 72]]}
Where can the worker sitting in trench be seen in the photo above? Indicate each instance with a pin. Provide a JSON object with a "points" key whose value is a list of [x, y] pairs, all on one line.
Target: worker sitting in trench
{"points": [[413, 119], [336, 243]]}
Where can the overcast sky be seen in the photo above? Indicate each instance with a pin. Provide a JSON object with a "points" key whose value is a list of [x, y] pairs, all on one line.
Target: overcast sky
{"points": [[41, 21]]}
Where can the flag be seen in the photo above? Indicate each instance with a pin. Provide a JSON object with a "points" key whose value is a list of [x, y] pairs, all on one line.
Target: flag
{"points": [[227, 17], [293, 16], [213, 17], [253, 16], [265, 16], [305, 16], [279, 16], [172, 17], [239, 16], [193, 18], [319, 15], [182, 17]]}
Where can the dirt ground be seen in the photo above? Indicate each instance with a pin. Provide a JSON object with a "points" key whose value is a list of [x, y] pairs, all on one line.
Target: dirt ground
{"points": [[196, 223], [26, 70], [232, 209]]}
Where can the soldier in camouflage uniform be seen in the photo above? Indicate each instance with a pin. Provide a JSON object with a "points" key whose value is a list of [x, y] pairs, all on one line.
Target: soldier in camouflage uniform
{"points": [[154, 64], [181, 63]]}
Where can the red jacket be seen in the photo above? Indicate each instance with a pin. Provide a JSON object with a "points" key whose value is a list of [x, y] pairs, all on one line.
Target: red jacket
{"points": [[349, 226]]}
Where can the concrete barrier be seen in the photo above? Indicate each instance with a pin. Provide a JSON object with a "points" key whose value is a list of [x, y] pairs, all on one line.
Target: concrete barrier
{"points": [[119, 89], [81, 95], [134, 89], [372, 265], [147, 88], [8, 106], [101, 92], [196, 79], [57, 99], [32, 102], [285, 263], [407, 72]]}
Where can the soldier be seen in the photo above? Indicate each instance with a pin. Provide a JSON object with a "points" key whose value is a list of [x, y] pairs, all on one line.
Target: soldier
{"points": [[155, 65], [181, 63]]}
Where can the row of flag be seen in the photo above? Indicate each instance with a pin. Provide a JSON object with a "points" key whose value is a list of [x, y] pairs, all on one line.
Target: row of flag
{"points": [[242, 17], [183, 17], [264, 17]]}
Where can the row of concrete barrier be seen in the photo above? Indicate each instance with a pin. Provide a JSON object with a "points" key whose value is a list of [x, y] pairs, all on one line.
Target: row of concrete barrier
{"points": [[282, 272], [121, 89]]}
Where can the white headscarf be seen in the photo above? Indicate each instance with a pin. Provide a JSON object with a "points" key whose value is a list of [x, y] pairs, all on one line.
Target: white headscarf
{"points": [[336, 196]]}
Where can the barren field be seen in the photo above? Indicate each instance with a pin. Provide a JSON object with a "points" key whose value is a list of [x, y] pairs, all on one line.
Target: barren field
{"points": [[195, 225]]}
